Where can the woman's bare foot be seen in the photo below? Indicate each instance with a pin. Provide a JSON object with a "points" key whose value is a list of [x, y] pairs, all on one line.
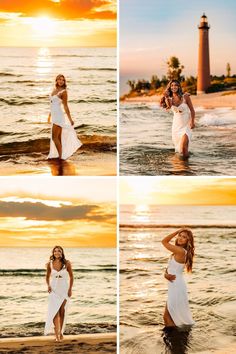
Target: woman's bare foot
{"points": [[61, 337]]}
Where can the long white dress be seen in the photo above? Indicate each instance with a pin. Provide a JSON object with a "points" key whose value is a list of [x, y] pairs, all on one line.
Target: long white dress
{"points": [[59, 293], [177, 302], [181, 123], [70, 142]]}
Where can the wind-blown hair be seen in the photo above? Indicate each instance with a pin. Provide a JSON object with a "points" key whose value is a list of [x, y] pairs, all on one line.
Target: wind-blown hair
{"points": [[63, 259], [57, 78], [189, 247], [170, 93]]}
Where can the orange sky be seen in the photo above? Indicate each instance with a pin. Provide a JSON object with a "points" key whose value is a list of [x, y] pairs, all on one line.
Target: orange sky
{"points": [[58, 23], [39, 212], [178, 191]]}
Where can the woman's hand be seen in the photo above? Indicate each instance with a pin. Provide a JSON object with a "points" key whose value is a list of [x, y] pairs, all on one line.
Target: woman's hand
{"points": [[49, 118], [170, 277], [49, 289], [72, 122], [70, 292], [192, 124]]}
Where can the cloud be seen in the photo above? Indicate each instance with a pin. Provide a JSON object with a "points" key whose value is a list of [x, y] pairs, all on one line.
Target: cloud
{"points": [[40, 211], [64, 9]]}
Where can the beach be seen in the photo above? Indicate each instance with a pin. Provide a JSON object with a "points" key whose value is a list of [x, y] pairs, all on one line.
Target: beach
{"points": [[27, 78], [208, 101], [25, 309], [143, 289], [84, 343], [146, 146]]}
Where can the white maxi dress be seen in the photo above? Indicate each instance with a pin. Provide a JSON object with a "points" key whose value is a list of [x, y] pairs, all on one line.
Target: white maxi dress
{"points": [[59, 284], [177, 302], [181, 124], [70, 142]]}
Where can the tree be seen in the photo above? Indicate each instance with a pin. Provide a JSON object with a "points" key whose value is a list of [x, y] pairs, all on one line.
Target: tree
{"points": [[131, 84], [174, 69], [155, 82], [228, 69]]}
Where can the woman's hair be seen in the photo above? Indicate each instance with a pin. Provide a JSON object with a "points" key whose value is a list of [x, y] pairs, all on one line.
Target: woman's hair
{"points": [[63, 259], [57, 78], [170, 93], [189, 247]]}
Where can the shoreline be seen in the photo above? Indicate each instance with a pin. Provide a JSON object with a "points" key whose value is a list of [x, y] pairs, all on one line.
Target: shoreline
{"points": [[207, 101], [83, 164], [82, 343]]}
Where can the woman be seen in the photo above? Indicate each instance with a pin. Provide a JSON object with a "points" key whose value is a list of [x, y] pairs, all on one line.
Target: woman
{"points": [[184, 115], [64, 141], [58, 269], [177, 312]]}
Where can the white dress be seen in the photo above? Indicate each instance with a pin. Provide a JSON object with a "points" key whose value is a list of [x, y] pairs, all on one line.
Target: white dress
{"points": [[59, 293], [177, 302], [181, 123], [70, 142]]}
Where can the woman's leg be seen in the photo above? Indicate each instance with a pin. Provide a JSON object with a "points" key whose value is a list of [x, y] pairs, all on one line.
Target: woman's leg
{"points": [[167, 318], [184, 145], [62, 317], [56, 137], [57, 329]]}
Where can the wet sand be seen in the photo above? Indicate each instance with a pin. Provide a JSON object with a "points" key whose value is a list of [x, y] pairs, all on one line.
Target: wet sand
{"points": [[209, 101], [83, 343], [83, 164]]}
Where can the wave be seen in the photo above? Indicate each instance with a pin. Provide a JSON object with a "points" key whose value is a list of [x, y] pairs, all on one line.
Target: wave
{"points": [[9, 74], [32, 329], [95, 100], [212, 119], [95, 69], [163, 226], [41, 272], [90, 142], [20, 101]]}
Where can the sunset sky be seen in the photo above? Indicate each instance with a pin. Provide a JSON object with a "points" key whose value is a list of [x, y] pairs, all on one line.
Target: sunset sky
{"points": [[58, 23], [152, 31], [40, 212], [178, 191]]}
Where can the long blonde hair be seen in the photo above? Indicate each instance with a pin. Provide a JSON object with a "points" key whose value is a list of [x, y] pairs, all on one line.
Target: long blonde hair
{"points": [[189, 247]]}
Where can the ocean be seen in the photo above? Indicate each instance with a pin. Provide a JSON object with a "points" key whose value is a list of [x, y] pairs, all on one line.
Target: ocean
{"points": [[146, 146], [24, 294], [27, 76], [211, 286]]}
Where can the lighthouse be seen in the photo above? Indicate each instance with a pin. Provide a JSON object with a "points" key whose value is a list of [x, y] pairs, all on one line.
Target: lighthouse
{"points": [[203, 77]]}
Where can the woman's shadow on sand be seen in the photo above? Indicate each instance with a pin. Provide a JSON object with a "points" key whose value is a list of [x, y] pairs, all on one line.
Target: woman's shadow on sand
{"points": [[62, 168]]}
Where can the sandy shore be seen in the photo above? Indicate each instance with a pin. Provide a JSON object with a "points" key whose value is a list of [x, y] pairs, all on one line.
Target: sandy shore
{"points": [[83, 343], [210, 100]]}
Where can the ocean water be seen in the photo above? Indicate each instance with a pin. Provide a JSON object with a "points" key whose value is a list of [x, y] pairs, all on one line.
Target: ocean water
{"points": [[27, 76], [23, 291], [211, 286], [146, 146]]}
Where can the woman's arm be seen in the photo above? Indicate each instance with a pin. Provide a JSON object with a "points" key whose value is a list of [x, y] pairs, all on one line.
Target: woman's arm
{"points": [[49, 117], [48, 273], [190, 105], [173, 248], [69, 270], [64, 97]]}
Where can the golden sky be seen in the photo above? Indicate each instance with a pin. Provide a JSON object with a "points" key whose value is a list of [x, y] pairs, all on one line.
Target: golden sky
{"points": [[178, 191], [41, 212], [58, 23]]}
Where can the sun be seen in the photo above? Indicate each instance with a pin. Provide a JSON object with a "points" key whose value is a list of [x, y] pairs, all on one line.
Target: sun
{"points": [[44, 26]]}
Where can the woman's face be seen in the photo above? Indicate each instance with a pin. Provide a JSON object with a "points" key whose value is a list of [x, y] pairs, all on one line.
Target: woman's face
{"points": [[182, 238], [61, 81], [174, 87], [57, 253]]}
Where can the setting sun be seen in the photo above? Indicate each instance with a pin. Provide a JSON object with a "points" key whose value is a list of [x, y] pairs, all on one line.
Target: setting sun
{"points": [[44, 26]]}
